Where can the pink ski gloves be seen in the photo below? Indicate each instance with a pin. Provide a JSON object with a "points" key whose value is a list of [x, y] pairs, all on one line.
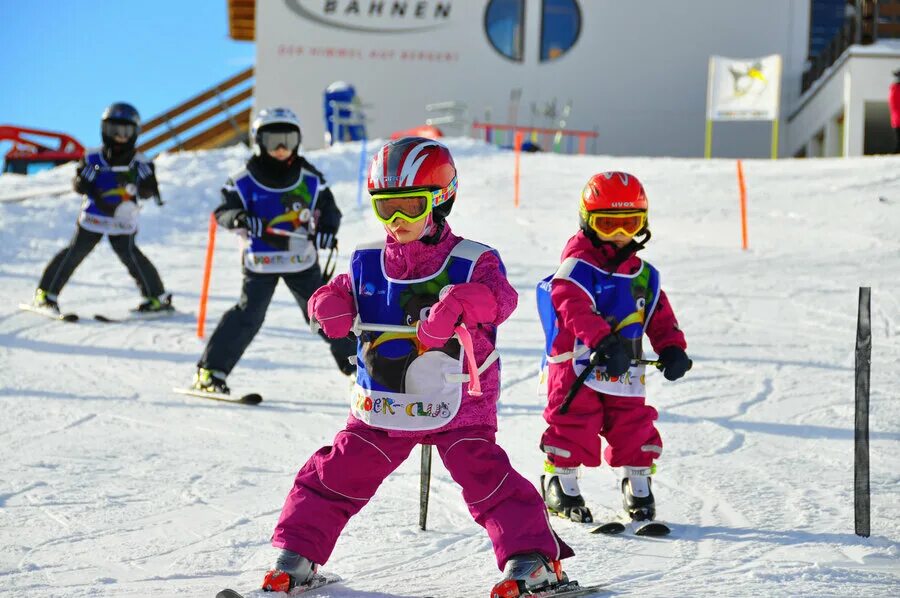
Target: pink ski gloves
{"points": [[333, 310], [469, 303]]}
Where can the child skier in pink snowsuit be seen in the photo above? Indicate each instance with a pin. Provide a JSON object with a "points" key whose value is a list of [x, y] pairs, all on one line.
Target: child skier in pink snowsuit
{"points": [[410, 295], [596, 309]]}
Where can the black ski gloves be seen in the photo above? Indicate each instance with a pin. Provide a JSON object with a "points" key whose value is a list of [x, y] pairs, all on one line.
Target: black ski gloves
{"points": [[254, 225], [675, 362], [147, 186], [326, 238], [84, 180], [611, 352]]}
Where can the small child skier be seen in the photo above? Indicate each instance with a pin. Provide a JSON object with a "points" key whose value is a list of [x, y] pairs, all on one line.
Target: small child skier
{"points": [[112, 180], [285, 210], [595, 310], [420, 285]]}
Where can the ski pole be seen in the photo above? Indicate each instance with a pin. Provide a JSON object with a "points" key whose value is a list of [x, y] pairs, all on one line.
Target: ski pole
{"points": [[424, 485], [328, 268], [280, 232], [583, 376]]}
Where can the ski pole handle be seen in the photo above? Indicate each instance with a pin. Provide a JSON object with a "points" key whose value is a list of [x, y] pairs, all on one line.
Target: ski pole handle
{"points": [[586, 372], [359, 327], [280, 232]]}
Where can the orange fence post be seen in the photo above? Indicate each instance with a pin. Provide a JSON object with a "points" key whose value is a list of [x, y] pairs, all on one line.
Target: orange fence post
{"points": [[517, 147], [743, 189], [207, 270]]}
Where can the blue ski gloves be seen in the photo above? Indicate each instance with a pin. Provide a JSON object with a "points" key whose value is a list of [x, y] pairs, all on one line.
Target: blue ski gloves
{"points": [[612, 353], [675, 362]]}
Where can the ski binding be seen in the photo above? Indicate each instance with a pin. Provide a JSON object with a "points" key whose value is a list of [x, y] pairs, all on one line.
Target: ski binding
{"points": [[49, 313], [318, 581], [569, 589]]}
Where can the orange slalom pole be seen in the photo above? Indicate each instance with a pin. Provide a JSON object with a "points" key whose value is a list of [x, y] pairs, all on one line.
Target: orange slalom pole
{"points": [[517, 147], [743, 189], [207, 270]]}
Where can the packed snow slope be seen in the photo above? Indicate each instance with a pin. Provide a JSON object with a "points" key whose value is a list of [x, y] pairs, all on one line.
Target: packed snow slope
{"points": [[111, 485]]}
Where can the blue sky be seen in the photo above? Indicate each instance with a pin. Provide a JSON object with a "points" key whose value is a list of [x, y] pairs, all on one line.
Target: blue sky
{"points": [[64, 61]]}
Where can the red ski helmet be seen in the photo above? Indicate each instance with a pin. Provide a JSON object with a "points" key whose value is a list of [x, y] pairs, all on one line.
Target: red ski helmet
{"points": [[415, 163], [611, 192]]}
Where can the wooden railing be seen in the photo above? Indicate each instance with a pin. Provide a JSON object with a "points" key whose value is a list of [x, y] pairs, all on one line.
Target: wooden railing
{"points": [[228, 99], [554, 139], [872, 20]]}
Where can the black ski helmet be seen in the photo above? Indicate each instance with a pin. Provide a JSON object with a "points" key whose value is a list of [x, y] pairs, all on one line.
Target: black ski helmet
{"points": [[121, 112]]}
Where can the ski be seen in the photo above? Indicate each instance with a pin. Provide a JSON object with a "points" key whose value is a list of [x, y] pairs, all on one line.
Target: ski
{"points": [[247, 399], [135, 316], [318, 581], [49, 313], [650, 528], [570, 589]]}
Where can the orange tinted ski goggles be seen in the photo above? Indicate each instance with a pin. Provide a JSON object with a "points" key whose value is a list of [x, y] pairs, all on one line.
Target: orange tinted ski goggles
{"points": [[608, 224]]}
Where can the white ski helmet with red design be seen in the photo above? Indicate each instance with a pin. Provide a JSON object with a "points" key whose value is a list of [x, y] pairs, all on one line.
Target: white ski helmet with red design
{"points": [[415, 163]]}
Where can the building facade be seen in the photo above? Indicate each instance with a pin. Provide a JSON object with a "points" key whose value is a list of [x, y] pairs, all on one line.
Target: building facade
{"points": [[636, 71]]}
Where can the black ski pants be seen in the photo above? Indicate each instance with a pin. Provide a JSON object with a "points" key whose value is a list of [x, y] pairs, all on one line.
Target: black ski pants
{"points": [[239, 325], [63, 265]]}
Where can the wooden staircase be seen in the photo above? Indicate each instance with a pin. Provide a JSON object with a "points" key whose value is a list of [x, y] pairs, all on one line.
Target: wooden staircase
{"points": [[217, 117]]}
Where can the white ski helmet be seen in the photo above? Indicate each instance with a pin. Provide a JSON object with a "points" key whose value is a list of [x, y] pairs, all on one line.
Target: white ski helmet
{"points": [[273, 116]]}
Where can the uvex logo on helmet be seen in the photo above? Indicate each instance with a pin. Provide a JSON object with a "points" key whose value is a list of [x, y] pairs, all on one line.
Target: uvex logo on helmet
{"points": [[613, 191]]}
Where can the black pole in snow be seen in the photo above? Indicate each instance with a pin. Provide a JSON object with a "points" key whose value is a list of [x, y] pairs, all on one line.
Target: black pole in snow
{"points": [[424, 485], [861, 496]]}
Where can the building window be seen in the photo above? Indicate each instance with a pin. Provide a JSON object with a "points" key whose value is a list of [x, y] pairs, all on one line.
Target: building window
{"points": [[560, 27], [504, 23]]}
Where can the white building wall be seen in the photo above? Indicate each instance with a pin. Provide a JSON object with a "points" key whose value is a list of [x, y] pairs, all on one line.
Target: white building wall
{"points": [[863, 74], [637, 73]]}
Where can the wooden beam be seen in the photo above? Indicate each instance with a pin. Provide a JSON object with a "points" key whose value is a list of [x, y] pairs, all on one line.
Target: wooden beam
{"points": [[198, 99], [196, 120]]}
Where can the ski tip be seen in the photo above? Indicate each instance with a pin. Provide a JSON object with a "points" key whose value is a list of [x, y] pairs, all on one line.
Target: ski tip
{"points": [[610, 529], [251, 399], [654, 529], [227, 593]]}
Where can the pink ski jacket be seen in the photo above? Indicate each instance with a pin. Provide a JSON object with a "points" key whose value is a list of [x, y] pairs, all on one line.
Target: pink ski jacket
{"points": [[575, 312], [417, 260]]}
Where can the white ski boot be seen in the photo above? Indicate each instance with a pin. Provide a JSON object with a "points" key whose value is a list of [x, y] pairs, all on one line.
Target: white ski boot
{"points": [[528, 573], [290, 571]]}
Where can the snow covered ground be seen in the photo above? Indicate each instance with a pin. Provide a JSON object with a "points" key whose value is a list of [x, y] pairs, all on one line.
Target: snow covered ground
{"points": [[111, 485]]}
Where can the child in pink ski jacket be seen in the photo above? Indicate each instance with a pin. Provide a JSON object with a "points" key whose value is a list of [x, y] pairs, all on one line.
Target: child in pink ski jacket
{"points": [[427, 303], [596, 309]]}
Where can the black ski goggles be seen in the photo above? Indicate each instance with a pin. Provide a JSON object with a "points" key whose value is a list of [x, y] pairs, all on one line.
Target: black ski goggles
{"points": [[272, 140], [118, 129]]}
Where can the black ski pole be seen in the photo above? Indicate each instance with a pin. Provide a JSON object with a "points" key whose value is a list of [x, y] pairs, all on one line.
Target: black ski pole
{"points": [[861, 491], [424, 485], [328, 272], [583, 376], [576, 386]]}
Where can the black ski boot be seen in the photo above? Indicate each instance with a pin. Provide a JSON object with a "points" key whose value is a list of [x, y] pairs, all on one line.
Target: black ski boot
{"points": [[45, 301], [156, 305], [212, 381], [559, 489], [637, 496]]}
